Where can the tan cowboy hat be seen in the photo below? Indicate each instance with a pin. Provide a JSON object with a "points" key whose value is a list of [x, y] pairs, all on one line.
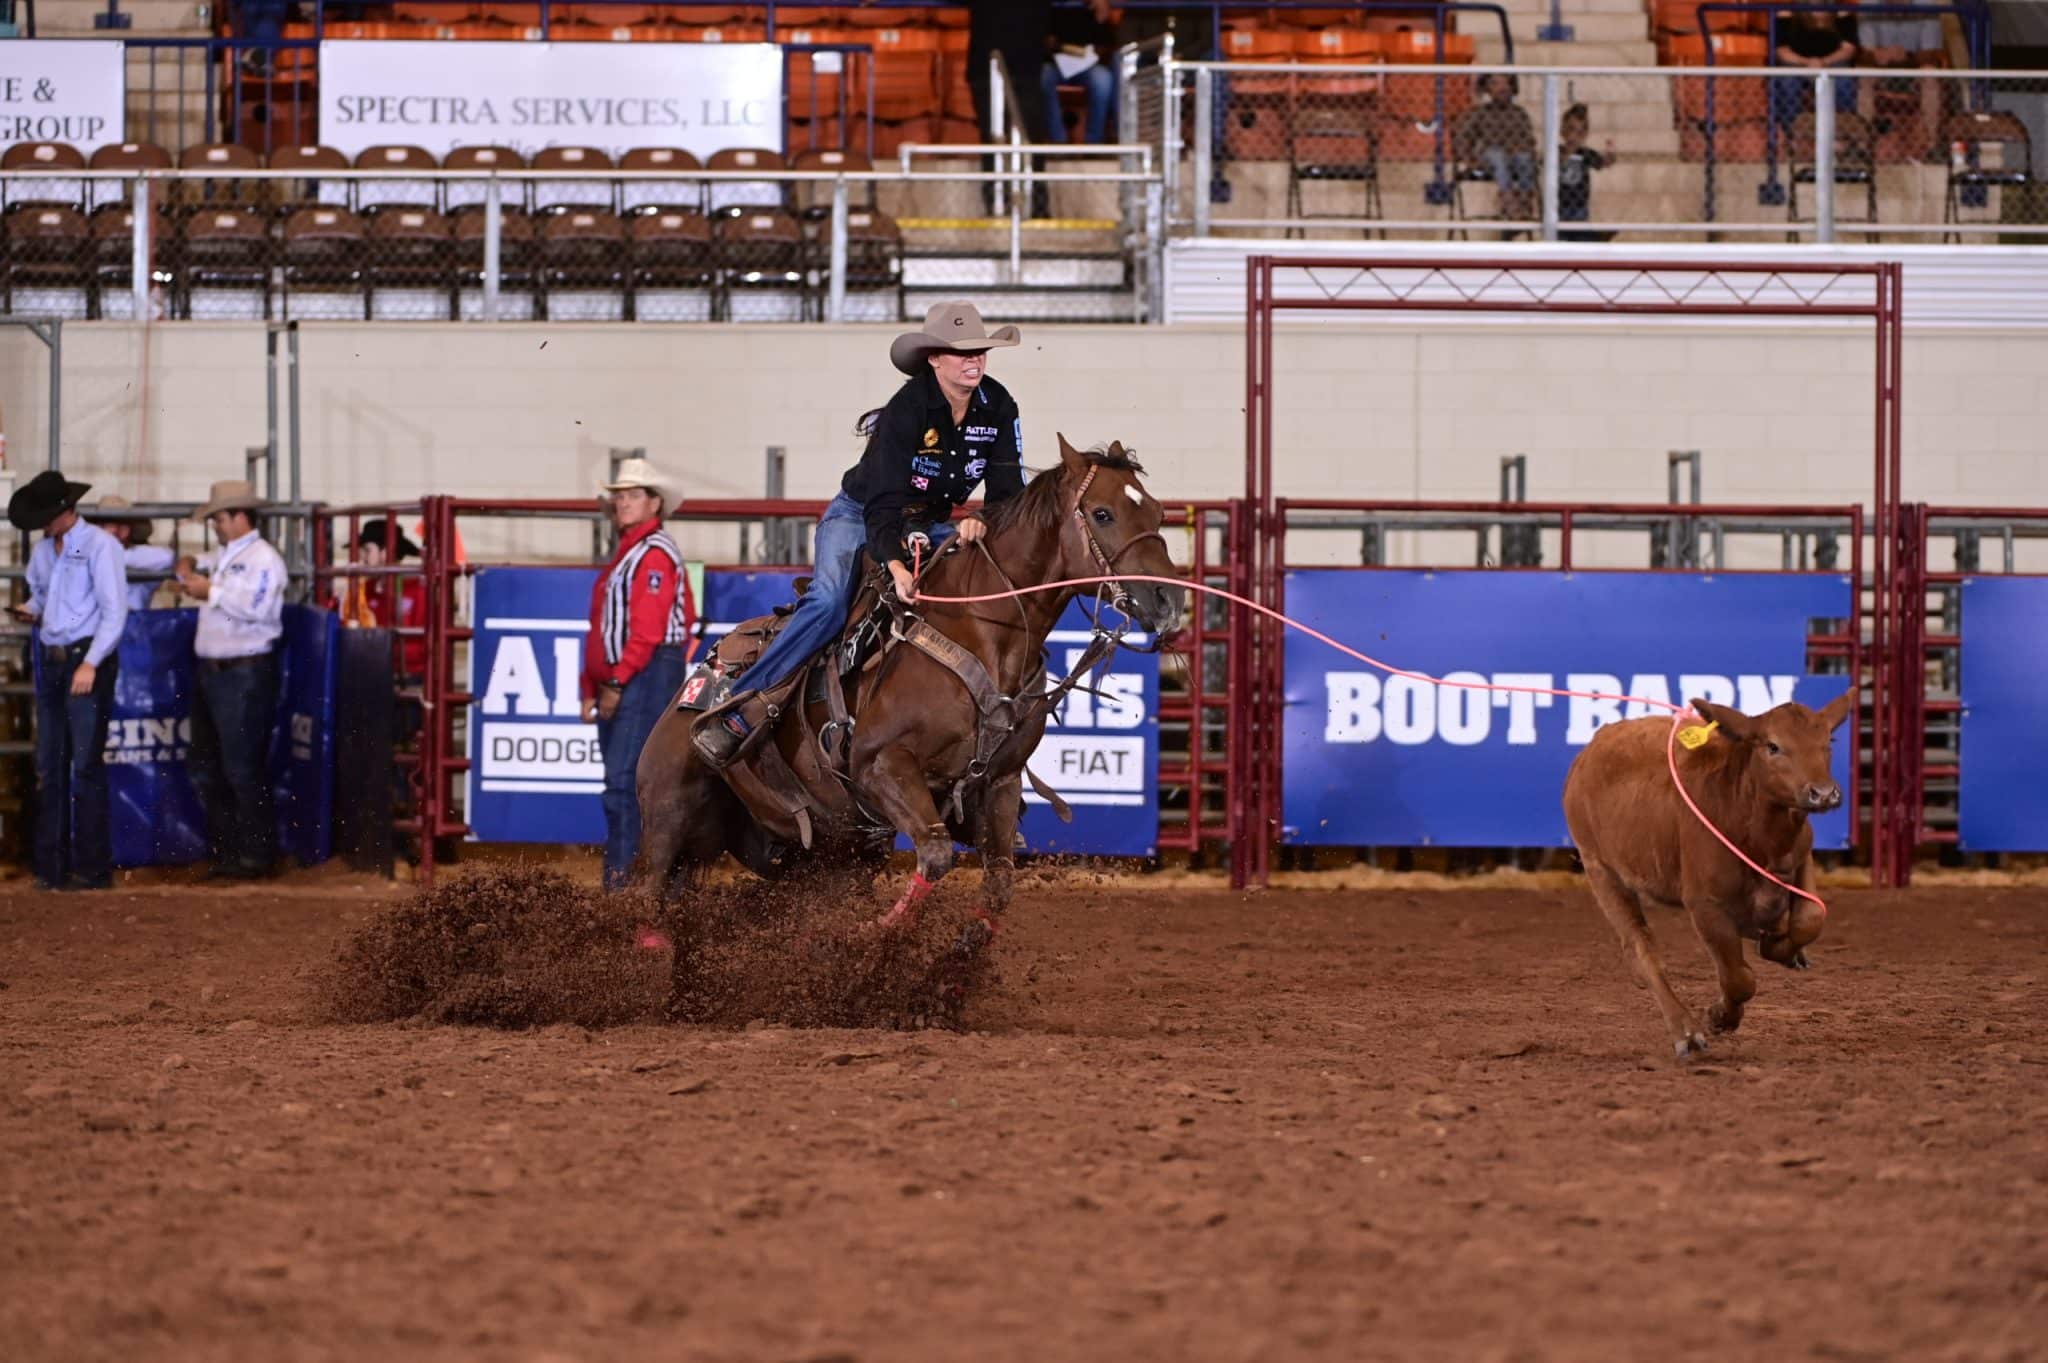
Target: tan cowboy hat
{"points": [[641, 474], [948, 326], [230, 494], [115, 507]]}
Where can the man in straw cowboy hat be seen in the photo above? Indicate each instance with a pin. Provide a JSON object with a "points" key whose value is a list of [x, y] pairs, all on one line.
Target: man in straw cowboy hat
{"points": [[240, 587], [633, 656], [78, 595], [145, 561], [945, 431]]}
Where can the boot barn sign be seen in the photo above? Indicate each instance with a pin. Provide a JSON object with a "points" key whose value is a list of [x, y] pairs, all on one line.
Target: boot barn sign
{"points": [[57, 91], [700, 97], [1375, 760], [537, 773]]}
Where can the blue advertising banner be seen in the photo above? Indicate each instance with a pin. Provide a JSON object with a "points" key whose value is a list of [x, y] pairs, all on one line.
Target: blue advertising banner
{"points": [[2002, 799], [539, 776], [156, 817], [1377, 760], [537, 773]]}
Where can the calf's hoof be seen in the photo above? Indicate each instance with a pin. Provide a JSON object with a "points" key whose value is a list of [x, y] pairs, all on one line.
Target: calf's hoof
{"points": [[1723, 1017], [1689, 1045], [1779, 951]]}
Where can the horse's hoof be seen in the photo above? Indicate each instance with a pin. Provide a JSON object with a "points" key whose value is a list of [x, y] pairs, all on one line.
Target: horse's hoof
{"points": [[1689, 1045], [1799, 961], [1722, 1018]]}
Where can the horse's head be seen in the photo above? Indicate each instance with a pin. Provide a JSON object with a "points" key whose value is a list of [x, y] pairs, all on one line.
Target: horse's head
{"points": [[1112, 528]]}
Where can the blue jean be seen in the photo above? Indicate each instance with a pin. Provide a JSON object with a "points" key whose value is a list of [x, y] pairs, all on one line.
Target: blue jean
{"points": [[1511, 170], [1789, 97], [620, 739], [1100, 83], [234, 718], [821, 613], [72, 833]]}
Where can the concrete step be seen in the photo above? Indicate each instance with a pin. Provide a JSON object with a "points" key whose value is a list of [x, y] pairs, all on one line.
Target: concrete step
{"points": [[1529, 52]]}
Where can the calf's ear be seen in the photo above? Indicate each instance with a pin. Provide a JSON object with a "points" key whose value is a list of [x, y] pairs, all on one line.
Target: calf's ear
{"points": [[1840, 708], [1732, 721]]}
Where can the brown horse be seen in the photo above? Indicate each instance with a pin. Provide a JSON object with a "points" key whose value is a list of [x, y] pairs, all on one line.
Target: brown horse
{"points": [[933, 734]]}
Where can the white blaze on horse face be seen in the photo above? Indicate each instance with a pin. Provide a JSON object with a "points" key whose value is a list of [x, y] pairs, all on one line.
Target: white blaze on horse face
{"points": [[1135, 493]]}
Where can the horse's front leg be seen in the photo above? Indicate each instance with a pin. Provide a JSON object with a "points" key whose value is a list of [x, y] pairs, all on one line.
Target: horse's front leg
{"points": [[894, 782], [997, 842]]}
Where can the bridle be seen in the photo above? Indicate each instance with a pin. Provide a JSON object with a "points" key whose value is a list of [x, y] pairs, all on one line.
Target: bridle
{"points": [[1121, 599]]}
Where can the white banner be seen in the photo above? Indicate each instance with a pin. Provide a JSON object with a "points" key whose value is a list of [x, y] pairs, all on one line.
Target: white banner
{"points": [[57, 91], [702, 97]]}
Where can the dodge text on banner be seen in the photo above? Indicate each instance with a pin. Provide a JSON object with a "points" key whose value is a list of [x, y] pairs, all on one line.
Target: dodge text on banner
{"points": [[702, 97], [58, 91], [1374, 760]]}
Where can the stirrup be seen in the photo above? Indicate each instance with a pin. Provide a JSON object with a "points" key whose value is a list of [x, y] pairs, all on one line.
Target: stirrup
{"points": [[719, 743]]}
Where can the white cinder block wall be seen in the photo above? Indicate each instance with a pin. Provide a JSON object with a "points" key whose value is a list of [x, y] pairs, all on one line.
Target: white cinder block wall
{"points": [[394, 411]]}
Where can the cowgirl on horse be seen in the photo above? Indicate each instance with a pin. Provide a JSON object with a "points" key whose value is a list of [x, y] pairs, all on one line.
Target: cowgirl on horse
{"points": [[946, 430]]}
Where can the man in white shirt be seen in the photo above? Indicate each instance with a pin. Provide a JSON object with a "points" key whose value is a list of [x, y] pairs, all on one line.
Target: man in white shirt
{"points": [[149, 565], [240, 588]]}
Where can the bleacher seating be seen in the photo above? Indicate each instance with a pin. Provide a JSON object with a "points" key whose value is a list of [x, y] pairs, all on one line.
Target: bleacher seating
{"points": [[240, 247]]}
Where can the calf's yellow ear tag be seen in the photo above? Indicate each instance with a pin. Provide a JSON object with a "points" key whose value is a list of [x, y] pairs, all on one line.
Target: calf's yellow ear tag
{"points": [[1696, 735]]}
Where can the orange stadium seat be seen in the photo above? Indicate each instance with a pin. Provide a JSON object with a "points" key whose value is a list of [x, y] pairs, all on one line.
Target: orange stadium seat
{"points": [[869, 16], [723, 33], [704, 16], [435, 11], [906, 67], [807, 16], [1740, 104], [1255, 127], [1339, 46]]}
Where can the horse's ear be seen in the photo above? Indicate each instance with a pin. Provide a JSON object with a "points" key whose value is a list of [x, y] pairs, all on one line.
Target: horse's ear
{"points": [[1069, 456], [1116, 449]]}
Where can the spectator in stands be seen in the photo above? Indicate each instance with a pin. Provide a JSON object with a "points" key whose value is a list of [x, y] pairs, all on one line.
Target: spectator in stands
{"points": [[633, 657], [1017, 29], [387, 602], [149, 566], [240, 587], [1083, 46], [1496, 134], [78, 596], [1904, 43], [1576, 163], [1819, 41]]}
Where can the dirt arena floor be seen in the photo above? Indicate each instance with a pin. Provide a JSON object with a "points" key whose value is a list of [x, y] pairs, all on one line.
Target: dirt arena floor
{"points": [[1352, 1125]]}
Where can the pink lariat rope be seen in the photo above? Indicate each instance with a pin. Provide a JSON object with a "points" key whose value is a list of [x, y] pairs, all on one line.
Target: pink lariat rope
{"points": [[1679, 713]]}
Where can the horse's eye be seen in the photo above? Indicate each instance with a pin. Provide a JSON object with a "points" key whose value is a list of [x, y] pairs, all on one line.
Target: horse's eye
{"points": [[1103, 515]]}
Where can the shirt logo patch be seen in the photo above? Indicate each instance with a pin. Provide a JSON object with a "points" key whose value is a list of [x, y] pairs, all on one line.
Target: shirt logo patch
{"points": [[920, 483], [654, 581], [693, 689], [931, 437], [981, 433], [975, 467], [926, 465]]}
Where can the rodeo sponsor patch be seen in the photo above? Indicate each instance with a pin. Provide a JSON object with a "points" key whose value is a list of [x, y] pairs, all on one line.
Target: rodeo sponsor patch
{"points": [[980, 434], [931, 437], [921, 484], [976, 467]]}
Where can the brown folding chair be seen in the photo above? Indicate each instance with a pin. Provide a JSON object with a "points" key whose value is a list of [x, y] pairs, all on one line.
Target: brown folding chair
{"points": [[660, 196], [113, 258], [1982, 138], [49, 250], [582, 266], [670, 274], [319, 187], [516, 293], [732, 196], [223, 258], [814, 197], [55, 188], [374, 196], [411, 251], [562, 196], [467, 196], [761, 253], [322, 258], [122, 156], [222, 159], [874, 266], [1855, 163]]}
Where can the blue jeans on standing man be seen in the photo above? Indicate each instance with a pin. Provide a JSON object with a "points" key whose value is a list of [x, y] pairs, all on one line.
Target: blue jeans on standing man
{"points": [[234, 718], [620, 739], [73, 843], [821, 613]]}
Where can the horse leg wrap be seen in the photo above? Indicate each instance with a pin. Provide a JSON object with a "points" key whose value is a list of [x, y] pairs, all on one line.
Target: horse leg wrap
{"points": [[904, 912]]}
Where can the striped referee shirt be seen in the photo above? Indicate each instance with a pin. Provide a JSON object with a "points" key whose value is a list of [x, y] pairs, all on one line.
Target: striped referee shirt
{"points": [[640, 602]]}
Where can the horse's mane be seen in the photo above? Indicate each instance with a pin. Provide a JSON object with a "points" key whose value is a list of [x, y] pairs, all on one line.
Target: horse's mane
{"points": [[1038, 506]]}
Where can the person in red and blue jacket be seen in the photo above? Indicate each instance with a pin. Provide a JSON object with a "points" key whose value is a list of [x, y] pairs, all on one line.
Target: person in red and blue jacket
{"points": [[641, 614]]}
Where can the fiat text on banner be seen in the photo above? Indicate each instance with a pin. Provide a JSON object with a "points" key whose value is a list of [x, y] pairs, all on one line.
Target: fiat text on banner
{"points": [[1373, 760], [701, 97]]}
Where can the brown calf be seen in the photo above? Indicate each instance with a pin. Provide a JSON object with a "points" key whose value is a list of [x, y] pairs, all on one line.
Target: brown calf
{"points": [[1757, 778]]}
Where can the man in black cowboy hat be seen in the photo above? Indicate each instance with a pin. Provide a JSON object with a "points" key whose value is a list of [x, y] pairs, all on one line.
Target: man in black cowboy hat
{"points": [[946, 430], [78, 595]]}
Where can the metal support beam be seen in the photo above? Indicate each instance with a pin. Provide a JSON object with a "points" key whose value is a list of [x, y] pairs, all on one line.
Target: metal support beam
{"points": [[1549, 155], [1824, 158]]}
